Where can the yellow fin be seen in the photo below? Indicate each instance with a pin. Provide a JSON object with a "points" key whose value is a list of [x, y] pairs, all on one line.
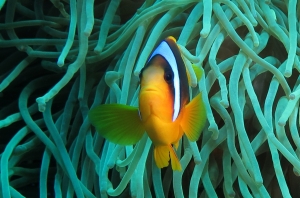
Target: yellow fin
{"points": [[117, 123], [174, 159], [176, 145], [198, 73], [161, 156], [194, 118]]}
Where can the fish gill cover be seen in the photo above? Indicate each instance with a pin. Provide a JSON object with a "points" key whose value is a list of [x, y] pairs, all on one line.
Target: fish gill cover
{"points": [[59, 59]]}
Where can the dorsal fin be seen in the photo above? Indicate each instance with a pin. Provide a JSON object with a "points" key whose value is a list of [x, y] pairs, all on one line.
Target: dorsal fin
{"points": [[197, 71]]}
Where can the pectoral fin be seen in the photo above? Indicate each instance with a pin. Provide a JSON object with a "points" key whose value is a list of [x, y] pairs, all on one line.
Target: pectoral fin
{"points": [[117, 123], [194, 118]]}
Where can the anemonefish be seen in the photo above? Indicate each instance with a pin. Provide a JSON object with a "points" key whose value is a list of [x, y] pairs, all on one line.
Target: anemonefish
{"points": [[164, 111]]}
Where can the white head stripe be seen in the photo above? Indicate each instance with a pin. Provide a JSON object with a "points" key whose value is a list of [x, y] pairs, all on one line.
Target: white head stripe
{"points": [[165, 51]]}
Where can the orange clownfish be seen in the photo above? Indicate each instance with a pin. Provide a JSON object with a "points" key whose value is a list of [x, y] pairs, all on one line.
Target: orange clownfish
{"points": [[164, 111]]}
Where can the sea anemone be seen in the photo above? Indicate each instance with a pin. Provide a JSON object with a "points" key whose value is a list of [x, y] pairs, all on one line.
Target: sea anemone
{"points": [[61, 58]]}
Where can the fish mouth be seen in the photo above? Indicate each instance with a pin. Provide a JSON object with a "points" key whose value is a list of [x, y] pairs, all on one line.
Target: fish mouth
{"points": [[150, 89]]}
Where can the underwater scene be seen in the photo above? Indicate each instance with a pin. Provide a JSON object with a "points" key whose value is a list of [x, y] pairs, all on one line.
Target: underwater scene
{"points": [[153, 98]]}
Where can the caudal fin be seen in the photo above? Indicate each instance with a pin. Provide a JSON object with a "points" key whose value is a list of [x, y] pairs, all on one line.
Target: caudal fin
{"points": [[162, 157], [174, 159]]}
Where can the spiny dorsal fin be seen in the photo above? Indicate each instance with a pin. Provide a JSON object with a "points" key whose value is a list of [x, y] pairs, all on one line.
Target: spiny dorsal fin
{"points": [[197, 71]]}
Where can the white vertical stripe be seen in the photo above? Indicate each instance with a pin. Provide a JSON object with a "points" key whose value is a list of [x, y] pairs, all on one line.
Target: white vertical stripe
{"points": [[165, 51]]}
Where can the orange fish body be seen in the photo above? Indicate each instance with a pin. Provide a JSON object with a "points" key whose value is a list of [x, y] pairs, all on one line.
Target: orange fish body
{"points": [[164, 111], [156, 107]]}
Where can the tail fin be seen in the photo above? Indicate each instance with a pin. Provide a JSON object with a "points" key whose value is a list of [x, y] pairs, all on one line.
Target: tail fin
{"points": [[174, 159], [162, 157]]}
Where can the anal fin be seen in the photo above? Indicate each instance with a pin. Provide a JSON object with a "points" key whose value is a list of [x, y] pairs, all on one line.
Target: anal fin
{"points": [[161, 156]]}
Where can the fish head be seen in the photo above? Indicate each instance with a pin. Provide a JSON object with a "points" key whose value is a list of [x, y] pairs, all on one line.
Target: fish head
{"points": [[156, 92], [164, 83]]}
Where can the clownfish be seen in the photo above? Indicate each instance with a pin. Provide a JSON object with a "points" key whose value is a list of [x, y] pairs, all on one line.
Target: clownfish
{"points": [[164, 112]]}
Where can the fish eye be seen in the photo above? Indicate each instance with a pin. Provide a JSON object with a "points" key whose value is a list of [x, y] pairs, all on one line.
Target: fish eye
{"points": [[169, 76]]}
